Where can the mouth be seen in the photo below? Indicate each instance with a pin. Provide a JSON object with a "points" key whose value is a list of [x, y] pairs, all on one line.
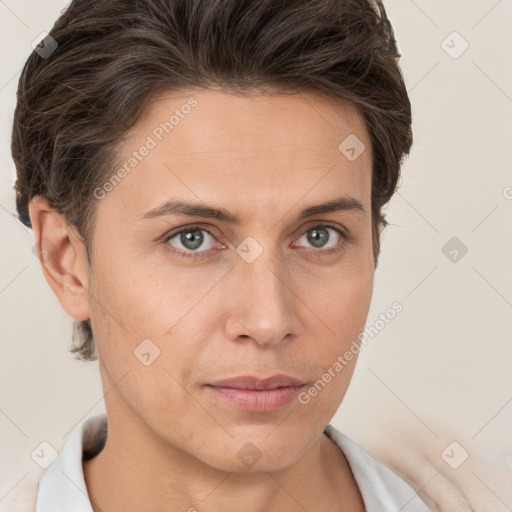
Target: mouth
{"points": [[251, 393]]}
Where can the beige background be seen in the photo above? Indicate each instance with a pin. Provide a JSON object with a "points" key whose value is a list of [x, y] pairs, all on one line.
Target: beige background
{"points": [[439, 372]]}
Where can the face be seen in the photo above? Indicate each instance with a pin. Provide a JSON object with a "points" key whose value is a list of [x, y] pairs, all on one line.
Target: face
{"points": [[181, 301]]}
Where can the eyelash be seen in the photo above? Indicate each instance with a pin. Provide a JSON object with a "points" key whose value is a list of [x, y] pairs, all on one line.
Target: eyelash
{"points": [[192, 255]]}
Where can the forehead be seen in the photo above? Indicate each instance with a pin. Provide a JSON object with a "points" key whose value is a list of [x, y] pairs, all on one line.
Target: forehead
{"points": [[250, 122], [229, 147]]}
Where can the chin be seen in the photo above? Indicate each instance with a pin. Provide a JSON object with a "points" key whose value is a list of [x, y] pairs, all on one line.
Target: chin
{"points": [[264, 464], [254, 454]]}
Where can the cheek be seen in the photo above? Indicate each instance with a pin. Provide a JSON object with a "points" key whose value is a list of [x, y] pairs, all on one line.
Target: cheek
{"points": [[341, 299], [144, 369], [144, 323], [352, 301], [138, 298], [333, 339]]}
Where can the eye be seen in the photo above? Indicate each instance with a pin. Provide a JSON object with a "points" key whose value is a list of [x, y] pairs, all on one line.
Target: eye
{"points": [[189, 240], [319, 236]]}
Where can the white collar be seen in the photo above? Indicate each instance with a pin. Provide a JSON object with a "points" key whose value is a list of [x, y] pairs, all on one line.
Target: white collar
{"points": [[382, 489], [62, 488]]}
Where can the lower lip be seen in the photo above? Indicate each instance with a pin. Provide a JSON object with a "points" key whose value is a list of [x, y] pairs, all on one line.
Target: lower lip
{"points": [[263, 400]]}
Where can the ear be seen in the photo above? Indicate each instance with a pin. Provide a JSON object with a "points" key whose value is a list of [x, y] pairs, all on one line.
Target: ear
{"points": [[63, 257]]}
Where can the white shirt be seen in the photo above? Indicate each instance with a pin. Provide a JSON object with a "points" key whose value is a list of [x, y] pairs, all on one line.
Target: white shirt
{"points": [[62, 488]]}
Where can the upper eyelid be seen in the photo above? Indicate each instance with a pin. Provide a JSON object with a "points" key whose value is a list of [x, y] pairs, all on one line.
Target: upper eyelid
{"points": [[190, 227]]}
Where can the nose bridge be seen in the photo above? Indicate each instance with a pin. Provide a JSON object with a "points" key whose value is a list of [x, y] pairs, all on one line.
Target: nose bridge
{"points": [[262, 306]]}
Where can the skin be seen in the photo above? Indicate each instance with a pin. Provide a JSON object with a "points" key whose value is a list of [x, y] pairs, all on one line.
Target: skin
{"points": [[170, 442]]}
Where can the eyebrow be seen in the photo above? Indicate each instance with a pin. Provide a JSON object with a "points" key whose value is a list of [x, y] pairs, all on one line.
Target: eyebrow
{"points": [[176, 207]]}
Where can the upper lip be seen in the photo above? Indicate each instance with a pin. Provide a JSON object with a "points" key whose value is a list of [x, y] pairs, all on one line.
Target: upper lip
{"points": [[253, 382]]}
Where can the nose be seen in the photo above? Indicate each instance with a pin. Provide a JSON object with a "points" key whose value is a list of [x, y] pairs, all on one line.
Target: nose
{"points": [[262, 303]]}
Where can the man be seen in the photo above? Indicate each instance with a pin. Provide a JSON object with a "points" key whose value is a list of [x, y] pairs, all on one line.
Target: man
{"points": [[205, 180]]}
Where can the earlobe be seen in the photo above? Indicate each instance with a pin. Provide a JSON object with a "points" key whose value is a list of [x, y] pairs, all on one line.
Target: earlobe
{"points": [[63, 257]]}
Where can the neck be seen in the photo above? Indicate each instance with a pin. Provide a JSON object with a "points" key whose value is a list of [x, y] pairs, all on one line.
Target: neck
{"points": [[148, 474]]}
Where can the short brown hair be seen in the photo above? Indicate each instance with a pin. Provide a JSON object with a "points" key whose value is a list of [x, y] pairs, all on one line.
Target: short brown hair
{"points": [[112, 56]]}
